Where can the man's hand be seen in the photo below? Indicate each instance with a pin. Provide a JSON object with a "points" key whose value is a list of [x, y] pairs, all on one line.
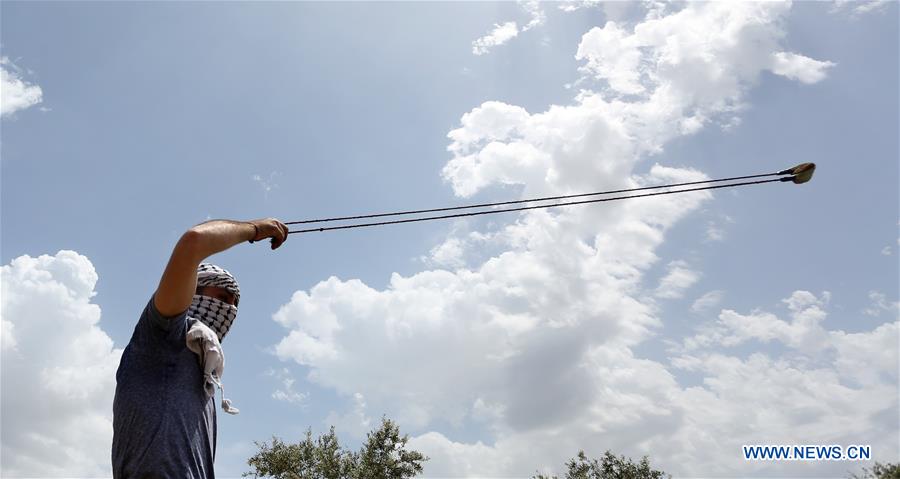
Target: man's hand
{"points": [[179, 281], [270, 228]]}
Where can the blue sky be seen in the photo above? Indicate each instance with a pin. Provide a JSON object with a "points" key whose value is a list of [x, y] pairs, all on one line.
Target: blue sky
{"points": [[501, 345]]}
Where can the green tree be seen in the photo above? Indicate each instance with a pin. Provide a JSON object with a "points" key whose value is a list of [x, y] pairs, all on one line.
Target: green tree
{"points": [[879, 471], [608, 467], [384, 455]]}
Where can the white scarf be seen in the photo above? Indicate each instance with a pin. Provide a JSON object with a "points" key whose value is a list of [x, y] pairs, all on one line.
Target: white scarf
{"points": [[213, 320], [203, 342]]}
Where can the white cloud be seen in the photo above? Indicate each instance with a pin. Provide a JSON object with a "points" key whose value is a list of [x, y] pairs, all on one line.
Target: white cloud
{"points": [[286, 392], [702, 56], [355, 422], [8, 335], [824, 387], [447, 254], [708, 301], [886, 251], [804, 332], [574, 5], [498, 36], [871, 6], [880, 304], [505, 32], [799, 67], [859, 7], [676, 281], [15, 93], [267, 184], [715, 230], [534, 342], [841, 393], [58, 370], [465, 460], [613, 54], [534, 10]]}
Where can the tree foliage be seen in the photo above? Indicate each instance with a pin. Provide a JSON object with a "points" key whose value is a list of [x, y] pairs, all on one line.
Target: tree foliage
{"points": [[608, 467], [383, 456], [879, 471]]}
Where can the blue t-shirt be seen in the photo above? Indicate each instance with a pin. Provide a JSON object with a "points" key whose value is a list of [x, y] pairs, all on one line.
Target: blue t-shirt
{"points": [[164, 424]]}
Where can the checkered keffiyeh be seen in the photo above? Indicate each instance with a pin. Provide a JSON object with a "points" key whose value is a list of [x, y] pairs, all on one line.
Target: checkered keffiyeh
{"points": [[216, 314]]}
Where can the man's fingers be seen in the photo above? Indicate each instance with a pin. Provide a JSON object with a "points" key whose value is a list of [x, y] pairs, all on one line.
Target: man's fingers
{"points": [[273, 229], [280, 236]]}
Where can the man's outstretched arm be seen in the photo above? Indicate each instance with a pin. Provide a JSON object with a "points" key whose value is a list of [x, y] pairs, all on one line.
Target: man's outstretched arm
{"points": [[179, 280]]}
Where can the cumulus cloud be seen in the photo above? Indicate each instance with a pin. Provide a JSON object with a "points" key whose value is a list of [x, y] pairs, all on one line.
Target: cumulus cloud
{"points": [[58, 369], [822, 384], [286, 392], [612, 53], [879, 304], [804, 332], [505, 32], [501, 34], [667, 56], [715, 230], [799, 67], [267, 184], [859, 7], [870, 6], [573, 5], [534, 10], [533, 343], [15, 93], [355, 422], [708, 301], [841, 392], [447, 254], [677, 280]]}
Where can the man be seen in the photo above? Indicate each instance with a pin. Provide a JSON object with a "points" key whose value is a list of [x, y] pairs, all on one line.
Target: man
{"points": [[164, 415]]}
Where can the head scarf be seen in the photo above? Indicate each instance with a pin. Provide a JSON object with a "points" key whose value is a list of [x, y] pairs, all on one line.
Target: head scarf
{"points": [[216, 314]]}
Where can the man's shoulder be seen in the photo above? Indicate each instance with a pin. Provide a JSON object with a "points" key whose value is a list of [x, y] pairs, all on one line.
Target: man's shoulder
{"points": [[155, 331], [158, 320]]}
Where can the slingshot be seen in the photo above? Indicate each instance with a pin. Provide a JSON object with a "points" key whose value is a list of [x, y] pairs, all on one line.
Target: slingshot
{"points": [[799, 174]]}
